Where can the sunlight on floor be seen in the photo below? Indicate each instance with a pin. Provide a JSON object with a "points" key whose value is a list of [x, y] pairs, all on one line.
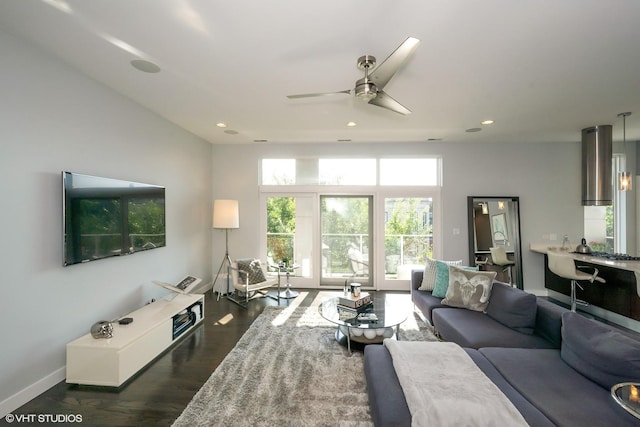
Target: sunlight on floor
{"points": [[286, 313], [224, 320]]}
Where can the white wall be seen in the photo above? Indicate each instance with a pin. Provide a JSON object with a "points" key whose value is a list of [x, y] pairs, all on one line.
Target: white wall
{"points": [[54, 119], [545, 176]]}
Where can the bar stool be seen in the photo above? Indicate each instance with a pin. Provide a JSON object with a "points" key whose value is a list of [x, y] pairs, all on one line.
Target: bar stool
{"points": [[499, 257], [564, 266]]}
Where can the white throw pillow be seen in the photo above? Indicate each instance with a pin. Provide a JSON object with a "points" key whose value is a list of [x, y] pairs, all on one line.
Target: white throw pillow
{"points": [[429, 275]]}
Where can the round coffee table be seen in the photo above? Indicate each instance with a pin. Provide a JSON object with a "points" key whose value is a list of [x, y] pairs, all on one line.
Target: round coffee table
{"points": [[627, 395], [384, 323]]}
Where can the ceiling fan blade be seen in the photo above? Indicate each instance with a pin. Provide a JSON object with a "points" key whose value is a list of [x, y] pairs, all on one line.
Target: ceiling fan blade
{"points": [[386, 70], [311, 95], [385, 101]]}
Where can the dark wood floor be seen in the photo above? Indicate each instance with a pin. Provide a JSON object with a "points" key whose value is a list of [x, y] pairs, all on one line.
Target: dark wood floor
{"points": [[159, 394]]}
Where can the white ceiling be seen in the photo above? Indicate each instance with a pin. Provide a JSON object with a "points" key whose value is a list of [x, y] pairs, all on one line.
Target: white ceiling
{"points": [[542, 69]]}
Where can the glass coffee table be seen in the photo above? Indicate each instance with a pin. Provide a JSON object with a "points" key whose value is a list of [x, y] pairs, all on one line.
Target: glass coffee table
{"points": [[381, 321], [627, 395]]}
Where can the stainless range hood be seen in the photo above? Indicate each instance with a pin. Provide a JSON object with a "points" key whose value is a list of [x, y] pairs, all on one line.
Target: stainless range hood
{"points": [[597, 154]]}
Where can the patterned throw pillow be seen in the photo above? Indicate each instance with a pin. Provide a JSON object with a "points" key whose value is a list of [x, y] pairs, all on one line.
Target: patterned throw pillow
{"points": [[442, 277], [469, 289], [252, 268], [429, 275]]}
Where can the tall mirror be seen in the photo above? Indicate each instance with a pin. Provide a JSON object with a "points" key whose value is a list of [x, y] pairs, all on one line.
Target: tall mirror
{"points": [[494, 237]]}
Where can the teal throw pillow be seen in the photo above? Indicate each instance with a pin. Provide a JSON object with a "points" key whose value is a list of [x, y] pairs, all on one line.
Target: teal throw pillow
{"points": [[442, 278]]}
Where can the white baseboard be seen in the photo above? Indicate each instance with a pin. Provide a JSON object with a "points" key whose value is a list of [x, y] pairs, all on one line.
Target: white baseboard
{"points": [[20, 398]]}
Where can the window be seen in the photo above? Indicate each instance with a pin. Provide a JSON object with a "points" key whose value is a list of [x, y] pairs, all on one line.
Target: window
{"points": [[409, 171], [351, 172], [289, 232], [616, 215], [347, 171], [408, 238], [366, 220], [347, 229], [278, 171], [605, 227]]}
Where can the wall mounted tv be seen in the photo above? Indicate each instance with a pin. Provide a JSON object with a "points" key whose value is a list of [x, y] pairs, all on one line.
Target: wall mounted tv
{"points": [[104, 217]]}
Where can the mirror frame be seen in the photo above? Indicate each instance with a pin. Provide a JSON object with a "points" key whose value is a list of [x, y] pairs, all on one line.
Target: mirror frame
{"points": [[517, 276]]}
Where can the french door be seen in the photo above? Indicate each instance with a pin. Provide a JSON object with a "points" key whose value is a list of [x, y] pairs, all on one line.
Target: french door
{"points": [[346, 237], [375, 239]]}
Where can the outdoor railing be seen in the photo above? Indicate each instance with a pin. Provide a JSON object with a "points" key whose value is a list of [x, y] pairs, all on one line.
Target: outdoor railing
{"points": [[400, 249]]}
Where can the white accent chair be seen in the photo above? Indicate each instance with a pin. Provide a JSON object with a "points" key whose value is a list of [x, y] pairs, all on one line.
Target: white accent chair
{"points": [[359, 267], [499, 257], [563, 265], [245, 289]]}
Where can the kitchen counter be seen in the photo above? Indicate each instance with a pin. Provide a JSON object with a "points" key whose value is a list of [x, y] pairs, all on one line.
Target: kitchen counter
{"points": [[621, 292], [633, 266]]}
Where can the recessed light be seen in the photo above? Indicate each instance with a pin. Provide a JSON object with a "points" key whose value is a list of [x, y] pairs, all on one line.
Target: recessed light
{"points": [[351, 124], [471, 130], [221, 125], [434, 139], [260, 140], [145, 66], [231, 132], [344, 140], [487, 122]]}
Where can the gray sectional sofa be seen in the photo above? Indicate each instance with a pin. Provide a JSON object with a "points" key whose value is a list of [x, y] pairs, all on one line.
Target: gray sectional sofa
{"points": [[556, 367], [513, 319]]}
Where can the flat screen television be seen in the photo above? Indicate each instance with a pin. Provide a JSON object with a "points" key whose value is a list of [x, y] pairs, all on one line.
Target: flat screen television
{"points": [[104, 217]]}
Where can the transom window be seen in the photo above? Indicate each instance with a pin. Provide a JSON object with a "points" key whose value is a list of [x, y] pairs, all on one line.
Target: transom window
{"points": [[352, 172]]}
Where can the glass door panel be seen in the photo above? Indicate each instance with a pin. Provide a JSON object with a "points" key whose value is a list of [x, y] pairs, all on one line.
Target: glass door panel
{"points": [[408, 237], [346, 237], [290, 231]]}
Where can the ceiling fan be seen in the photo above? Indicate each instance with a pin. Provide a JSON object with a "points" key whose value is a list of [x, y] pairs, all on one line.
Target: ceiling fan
{"points": [[369, 88]]}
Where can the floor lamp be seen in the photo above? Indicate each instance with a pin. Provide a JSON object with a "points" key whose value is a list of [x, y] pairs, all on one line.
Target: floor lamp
{"points": [[225, 216]]}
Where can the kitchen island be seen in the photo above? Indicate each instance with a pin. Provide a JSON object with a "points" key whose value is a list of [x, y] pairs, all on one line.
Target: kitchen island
{"points": [[621, 292]]}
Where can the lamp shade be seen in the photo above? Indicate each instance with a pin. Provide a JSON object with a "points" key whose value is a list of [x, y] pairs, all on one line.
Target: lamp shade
{"points": [[625, 181], [225, 214]]}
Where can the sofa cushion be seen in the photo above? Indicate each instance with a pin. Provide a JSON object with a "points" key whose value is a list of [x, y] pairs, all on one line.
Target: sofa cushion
{"points": [[476, 330], [599, 352], [429, 275], [565, 396], [513, 308], [549, 321], [387, 403], [469, 289], [531, 414], [426, 303]]}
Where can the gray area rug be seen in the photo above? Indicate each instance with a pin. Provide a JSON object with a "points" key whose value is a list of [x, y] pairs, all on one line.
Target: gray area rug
{"points": [[288, 370]]}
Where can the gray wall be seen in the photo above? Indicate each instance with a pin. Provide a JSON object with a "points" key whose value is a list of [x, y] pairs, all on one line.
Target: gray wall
{"points": [[54, 119], [545, 176]]}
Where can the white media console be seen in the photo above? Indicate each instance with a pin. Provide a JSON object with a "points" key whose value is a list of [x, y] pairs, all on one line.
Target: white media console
{"points": [[155, 327]]}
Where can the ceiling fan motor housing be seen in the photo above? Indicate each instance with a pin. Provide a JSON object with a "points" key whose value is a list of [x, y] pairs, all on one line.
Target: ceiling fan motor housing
{"points": [[365, 88]]}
